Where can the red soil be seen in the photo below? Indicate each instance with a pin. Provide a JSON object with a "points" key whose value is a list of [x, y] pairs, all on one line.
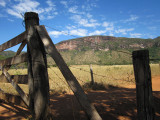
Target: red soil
{"points": [[112, 104]]}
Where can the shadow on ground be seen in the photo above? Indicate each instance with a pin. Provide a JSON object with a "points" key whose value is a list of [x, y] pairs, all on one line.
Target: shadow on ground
{"points": [[112, 104], [9, 111]]}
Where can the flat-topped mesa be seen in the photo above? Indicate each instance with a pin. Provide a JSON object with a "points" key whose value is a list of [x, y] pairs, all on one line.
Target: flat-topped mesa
{"points": [[106, 43], [89, 41]]}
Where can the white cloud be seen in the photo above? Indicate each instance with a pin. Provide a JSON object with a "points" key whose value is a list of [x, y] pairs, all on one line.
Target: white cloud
{"points": [[71, 27], [89, 5], [98, 32], [85, 22], [105, 24], [56, 34], [79, 32], [132, 18], [73, 9], [135, 35], [64, 3], [111, 34], [89, 15], [124, 31], [50, 3], [110, 28], [50, 17], [71, 31], [23, 6], [92, 20], [14, 13], [31, 5], [108, 25], [152, 28], [76, 17], [10, 20], [2, 3]]}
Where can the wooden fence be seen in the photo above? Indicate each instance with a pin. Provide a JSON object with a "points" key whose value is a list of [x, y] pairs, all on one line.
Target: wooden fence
{"points": [[38, 44], [6, 65]]}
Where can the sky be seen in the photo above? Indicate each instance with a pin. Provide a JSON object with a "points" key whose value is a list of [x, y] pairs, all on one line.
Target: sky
{"points": [[68, 19]]}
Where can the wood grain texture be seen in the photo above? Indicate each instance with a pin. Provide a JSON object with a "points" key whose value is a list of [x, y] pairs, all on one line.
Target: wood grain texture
{"points": [[16, 86], [18, 39], [14, 60], [145, 103], [37, 69], [19, 79], [70, 78]]}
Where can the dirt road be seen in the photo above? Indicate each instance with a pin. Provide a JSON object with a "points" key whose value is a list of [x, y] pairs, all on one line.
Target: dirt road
{"points": [[112, 104]]}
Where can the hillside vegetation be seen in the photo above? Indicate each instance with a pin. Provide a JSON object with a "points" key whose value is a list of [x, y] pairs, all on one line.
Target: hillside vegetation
{"points": [[106, 50], [101, 50]]}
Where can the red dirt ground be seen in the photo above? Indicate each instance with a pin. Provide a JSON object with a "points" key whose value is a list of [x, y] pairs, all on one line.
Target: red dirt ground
{"points": [[112, 104]]}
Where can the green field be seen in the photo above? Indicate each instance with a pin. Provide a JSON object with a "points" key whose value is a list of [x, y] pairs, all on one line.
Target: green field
{"points": [[114, 75]]}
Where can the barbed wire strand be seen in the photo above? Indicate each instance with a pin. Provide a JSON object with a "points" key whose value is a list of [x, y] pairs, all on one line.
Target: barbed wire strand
{"points": [[89, 72], [59, 77], [73, 111]]}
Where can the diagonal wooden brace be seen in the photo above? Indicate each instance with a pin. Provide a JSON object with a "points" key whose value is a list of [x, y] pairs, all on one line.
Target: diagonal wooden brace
{"points": [[70, 78], [16, 86]]}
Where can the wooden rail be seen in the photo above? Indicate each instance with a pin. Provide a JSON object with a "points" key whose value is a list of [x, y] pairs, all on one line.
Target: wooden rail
{"points": [[6, 65], [19, 79], [16, 86], [14, 60], [38, 43], [18, 39]]}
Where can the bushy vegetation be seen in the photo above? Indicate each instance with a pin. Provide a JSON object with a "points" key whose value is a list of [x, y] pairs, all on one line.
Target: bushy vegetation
{"points": [[109, 51]]}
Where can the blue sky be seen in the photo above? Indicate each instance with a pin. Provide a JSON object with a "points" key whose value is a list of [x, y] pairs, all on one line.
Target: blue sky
{"points": [[79, 18]]}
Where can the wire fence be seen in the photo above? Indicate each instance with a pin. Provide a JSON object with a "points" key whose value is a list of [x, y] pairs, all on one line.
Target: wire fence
{"points": [[108, 75]]}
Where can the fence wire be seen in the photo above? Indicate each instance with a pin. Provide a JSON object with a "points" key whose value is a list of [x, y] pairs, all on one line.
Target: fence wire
{"points": [[110, 75]]}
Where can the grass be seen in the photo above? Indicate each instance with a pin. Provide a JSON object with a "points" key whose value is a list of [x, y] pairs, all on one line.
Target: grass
{"points": [[115, 75]]}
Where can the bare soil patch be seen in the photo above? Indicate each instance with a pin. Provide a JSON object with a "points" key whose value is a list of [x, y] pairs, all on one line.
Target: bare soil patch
{"points": [[112, 104]]}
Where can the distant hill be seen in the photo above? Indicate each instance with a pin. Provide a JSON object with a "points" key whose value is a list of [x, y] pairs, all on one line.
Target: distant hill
{"points": [[6, 54], [106, 43], [102, 50], [106, 50]]}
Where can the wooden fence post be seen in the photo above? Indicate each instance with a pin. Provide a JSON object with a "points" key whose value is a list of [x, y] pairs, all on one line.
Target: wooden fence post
{"points": [[145, 104], [159, 66], [37, 69], [92, 79], [68, 75]]}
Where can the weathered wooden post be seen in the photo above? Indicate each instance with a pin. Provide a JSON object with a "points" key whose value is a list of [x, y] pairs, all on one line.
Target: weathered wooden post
{"points": [[145, 104], [92, 79], [159, 66], [68, 75], [37, 69]]}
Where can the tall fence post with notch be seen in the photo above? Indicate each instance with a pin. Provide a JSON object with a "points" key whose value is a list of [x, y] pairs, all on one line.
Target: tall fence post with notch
{"points": [[37, 69], [145, 104]]}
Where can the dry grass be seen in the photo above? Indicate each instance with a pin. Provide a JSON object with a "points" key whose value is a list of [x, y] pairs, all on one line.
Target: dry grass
{"points": [[115, 75]]}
